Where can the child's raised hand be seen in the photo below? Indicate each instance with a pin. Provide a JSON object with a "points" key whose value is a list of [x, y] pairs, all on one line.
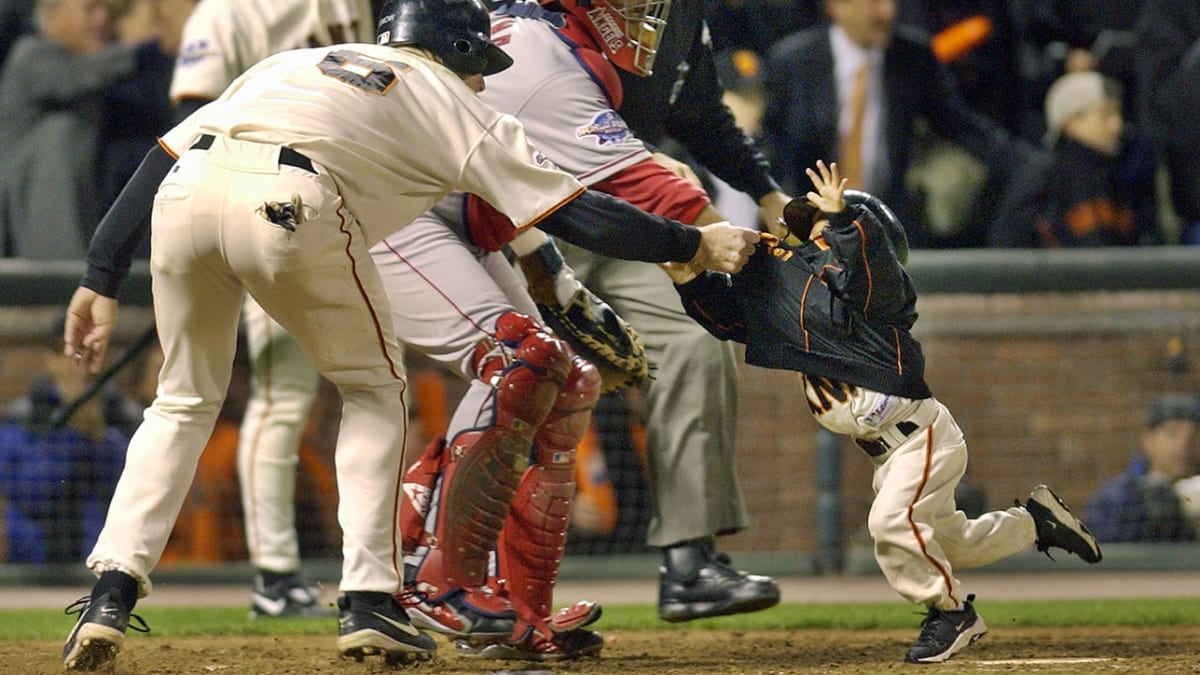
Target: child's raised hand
{"points": [[830, 187]]}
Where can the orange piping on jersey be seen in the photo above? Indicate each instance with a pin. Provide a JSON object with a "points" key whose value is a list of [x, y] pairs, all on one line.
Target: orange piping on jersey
{"points": [[912, 524], [396, 373], [899, 356], [166, 149], [709, 319], [803, 305], [862, 244], [552, 209]]}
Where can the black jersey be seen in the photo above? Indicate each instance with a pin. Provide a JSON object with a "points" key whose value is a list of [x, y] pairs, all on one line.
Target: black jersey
{"points": [[840, 307]]}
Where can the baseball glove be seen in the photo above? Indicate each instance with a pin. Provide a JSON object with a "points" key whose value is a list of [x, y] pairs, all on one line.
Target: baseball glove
{"points": [[585, 321]]}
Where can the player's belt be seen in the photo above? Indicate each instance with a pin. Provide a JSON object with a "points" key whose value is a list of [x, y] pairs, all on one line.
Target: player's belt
{"points": [[287, 156], [880, 448]]}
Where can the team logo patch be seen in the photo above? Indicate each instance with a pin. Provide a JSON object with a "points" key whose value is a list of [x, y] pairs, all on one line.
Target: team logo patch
{"points": [[196, 51], [610, 31], [607, 128], [419, 495]]}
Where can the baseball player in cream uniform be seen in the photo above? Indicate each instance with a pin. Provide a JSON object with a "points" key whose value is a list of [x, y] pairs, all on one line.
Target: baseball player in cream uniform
{"points": [[221, 40]]}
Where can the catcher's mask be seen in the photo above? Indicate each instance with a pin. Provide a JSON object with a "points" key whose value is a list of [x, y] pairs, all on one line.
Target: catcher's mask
{"points": [[627, 30], [799, 216], [457, 31]]}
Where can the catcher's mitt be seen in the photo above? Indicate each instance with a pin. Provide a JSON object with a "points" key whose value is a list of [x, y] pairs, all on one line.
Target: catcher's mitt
{"points": [[585, 321]]}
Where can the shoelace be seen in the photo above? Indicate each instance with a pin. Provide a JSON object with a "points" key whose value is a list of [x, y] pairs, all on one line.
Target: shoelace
{"points": [[81, 605]]}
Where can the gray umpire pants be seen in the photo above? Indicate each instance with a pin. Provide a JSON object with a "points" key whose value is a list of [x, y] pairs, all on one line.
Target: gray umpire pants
{"points": [[691, 402]]}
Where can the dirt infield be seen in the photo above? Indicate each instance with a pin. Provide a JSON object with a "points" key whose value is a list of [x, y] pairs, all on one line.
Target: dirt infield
{"points": [[689, 652]]}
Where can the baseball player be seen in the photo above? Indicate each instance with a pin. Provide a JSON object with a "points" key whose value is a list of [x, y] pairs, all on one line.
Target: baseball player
{"points": [[838, 310], [279, 188], [221, 40], [564, 89]]}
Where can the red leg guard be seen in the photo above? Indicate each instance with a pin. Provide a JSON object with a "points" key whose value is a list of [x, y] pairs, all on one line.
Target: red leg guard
{"points": [[483, 468], [532, 542], [419, 482]]}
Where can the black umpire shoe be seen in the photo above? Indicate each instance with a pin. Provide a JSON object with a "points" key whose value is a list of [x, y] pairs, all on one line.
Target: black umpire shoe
{"points": [[99, 632], [1058, 527], [943, 634], [371, 623], [697, 582]]}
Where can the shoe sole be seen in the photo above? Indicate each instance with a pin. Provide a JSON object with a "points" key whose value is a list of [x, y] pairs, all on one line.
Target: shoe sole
{"points": [[95, 646], [361, 644], [965, 639], [504, 652], [679, 612], [1046, 499]]}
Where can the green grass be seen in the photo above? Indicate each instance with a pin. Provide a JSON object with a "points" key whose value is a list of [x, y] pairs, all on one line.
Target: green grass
{"points": [[47, 624]]}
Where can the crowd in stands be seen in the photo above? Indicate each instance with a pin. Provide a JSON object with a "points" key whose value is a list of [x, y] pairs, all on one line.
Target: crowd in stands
{"points": [[958, 130]]}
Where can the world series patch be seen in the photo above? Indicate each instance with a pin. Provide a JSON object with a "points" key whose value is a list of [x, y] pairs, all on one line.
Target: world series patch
{"points": [[607, 128]]}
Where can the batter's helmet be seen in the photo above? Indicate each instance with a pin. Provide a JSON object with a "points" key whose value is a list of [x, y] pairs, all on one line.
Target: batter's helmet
{"points": [[627, 30], [457, 31], [799, 217], [883, 213]]}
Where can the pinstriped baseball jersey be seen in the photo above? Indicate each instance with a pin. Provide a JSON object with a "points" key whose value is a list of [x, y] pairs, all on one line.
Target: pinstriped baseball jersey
{"points": [[393, 128], [224, 38]]}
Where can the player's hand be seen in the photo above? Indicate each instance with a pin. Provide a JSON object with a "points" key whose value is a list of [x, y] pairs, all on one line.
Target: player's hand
{"points": [[724, 248], [90, 321], [770, 212], [829, 188]]}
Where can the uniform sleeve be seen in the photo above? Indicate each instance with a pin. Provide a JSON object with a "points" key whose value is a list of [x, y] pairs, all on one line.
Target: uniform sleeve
{"points": [[124, 226], [210, 56], [701, 121], [871, 280], [652, 187], [710, 300], [514, 177]]}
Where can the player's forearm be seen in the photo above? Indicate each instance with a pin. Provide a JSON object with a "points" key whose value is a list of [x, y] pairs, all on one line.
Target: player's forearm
{"points": [[124, 226], [614, 228]]}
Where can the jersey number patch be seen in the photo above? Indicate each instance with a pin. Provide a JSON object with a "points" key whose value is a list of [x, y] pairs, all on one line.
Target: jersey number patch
{"points": [[368, 74]]}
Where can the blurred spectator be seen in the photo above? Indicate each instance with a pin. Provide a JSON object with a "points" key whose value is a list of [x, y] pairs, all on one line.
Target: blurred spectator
{"points": [[1148, 502], [16, 19], [758, 24], [57, 481], [52, 100], [1078, 197], [857, 91], [1072, 36], [1168, 91], [138, 108]]}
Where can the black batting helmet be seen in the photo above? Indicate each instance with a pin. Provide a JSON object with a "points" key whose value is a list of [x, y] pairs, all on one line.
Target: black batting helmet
{"points": [[799, 217], [883, 213], [457, 31]]}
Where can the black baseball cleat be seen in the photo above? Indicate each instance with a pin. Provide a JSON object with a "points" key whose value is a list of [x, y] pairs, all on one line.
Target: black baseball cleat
{"points": [[284, 596], [1056, 526], [944, 634], [697, 582], [374, 624], [99, 632]]}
